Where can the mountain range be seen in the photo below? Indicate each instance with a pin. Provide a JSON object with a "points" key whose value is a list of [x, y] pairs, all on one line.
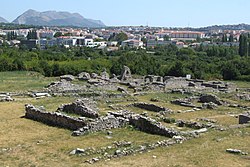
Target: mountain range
{"points": [[2, 20], [54, 18]]}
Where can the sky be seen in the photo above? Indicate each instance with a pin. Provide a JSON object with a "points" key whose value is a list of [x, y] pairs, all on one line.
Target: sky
{"points": [[163, 13]]}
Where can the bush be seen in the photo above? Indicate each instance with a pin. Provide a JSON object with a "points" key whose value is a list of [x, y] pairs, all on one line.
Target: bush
{"points": [[244, 78], [169, 120]]}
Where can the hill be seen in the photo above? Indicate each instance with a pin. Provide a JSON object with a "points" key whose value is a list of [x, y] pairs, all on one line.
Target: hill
{"points": [[2, 20], [54, 18]]}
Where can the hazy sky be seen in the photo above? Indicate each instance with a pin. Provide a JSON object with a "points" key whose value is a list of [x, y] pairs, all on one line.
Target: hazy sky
{"points": [[168, 13]]}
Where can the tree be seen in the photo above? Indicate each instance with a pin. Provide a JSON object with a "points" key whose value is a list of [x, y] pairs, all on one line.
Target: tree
{"points": [[46, 69], [18, 64], [144, 40], [248, 48], [166, 38], [231, 38], [118, 37], [32, 35], [243, 46], [230, 72], [177, 70], [58, 34], [11, 35], [224, 38], [56, 69], [198, 39]]}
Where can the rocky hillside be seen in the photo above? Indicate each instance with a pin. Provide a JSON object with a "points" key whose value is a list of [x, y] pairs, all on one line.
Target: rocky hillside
{"points": [[53, 18]]}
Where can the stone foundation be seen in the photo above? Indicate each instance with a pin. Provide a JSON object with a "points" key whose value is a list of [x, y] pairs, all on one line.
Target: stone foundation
{"points": [[80, 107], [101, 124], [146, 124], [149, 125], [53, 118]]}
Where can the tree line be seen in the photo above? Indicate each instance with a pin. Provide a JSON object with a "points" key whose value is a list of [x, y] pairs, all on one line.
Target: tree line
{"points": [[202, 62]]}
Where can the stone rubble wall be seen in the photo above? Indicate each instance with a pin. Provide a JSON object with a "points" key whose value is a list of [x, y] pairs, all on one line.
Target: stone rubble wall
{"points": [[80, 107], [149, 107], [149, 125], [67, 77], [123, 118], [53, 118], [194, 125], [153, 79], [146, 124], [183, 102], [101, 124], [175, 82], [210, 98]]}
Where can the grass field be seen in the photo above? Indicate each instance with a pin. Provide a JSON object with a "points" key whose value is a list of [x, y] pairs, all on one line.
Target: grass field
{"points": [[22, 81], [27, 143]]}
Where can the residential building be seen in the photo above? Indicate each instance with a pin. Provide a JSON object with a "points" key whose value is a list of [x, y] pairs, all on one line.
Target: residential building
{"points": [[46, 34], [30, 44], [153, 43], [132, 43], [186, 35]]}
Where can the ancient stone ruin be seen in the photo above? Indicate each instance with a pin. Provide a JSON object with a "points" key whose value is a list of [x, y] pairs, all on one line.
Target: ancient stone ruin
{"points": [[150, 107], [67, 77], [5, 98], [149, 125], [244, 118], [105, 75], [63, 87], [126, 74], [120, 96], [84, 76], [112, 120], [207, 98], [153, 79], [209, 105], [81, 107], [183, 102], [53, 118], [145, 124], [101, 124]]}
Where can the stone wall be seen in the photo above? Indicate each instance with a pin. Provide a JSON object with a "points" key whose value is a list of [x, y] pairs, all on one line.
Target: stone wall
{"points": [[149, 107], [81, 107], [145, 124], [153, 79], [175, 82], [183, 102], [210, 98], [53, 118], [191, 124], [149, 125], [243, 119], [101, 124]]}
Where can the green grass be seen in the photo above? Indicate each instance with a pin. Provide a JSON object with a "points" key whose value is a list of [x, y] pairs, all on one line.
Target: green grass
{"points": [[241, 84], [22, 81], [51, 103]]}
